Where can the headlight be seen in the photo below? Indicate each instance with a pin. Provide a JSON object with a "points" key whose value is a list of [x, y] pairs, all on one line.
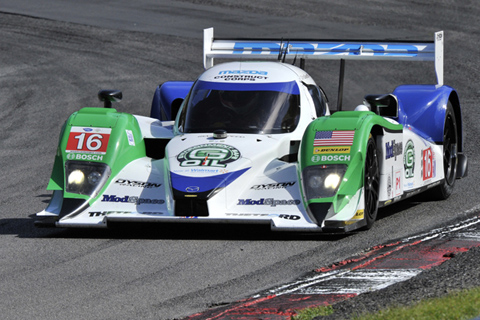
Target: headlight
{"points": [[86, 177], [76, 177], [323, 181]]}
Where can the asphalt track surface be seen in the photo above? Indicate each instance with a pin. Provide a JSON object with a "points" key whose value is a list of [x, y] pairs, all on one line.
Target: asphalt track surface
{"points": [[55, 57]]}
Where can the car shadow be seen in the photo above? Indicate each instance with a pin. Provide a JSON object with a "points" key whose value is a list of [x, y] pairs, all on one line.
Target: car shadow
{"points": [[24, 228], [403, 205]]}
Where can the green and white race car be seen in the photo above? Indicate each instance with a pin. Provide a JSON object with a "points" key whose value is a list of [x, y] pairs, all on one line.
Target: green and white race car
{"points": [[256, 142]]}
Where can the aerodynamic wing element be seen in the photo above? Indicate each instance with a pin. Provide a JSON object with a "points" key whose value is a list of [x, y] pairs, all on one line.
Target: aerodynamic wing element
{"points": [[326, 50]]}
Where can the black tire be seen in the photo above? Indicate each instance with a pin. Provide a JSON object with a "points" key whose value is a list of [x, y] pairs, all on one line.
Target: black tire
{"points": [[371, 183], [450, 157]]}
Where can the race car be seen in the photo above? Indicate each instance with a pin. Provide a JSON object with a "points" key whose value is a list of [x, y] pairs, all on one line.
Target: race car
{"points": [[255, 142]]}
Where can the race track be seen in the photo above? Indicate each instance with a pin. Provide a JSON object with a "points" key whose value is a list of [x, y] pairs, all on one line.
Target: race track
{"points": [[55, 57]]}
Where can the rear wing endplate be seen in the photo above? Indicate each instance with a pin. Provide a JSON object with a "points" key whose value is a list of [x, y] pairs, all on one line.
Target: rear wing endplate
{"points": [[325, 49]]}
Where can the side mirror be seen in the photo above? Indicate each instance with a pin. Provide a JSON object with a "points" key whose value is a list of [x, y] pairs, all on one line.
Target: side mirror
{"points": [[109, 96]]}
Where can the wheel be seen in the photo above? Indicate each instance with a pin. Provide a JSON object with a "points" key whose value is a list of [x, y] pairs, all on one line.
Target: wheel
{"points": [[450, 140], [371, 183]]}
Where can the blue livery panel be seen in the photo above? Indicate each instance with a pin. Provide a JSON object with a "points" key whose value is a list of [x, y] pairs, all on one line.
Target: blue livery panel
{"points": [[168, 94]]}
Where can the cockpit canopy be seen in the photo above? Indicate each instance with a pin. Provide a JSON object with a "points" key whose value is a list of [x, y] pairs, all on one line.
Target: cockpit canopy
{"points": [[261, 108]]}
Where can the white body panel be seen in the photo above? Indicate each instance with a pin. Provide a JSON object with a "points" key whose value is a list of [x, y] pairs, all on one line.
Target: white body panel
{"points": [[267, 192], [408, 162]]}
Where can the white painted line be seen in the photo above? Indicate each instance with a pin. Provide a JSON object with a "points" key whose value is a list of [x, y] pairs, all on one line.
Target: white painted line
{"points": [[361, 281], [448, 229], [347, 281], [469, 235], [356, 282]]}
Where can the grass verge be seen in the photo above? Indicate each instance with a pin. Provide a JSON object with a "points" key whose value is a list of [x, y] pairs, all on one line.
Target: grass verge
{"points": [[456, 306]]}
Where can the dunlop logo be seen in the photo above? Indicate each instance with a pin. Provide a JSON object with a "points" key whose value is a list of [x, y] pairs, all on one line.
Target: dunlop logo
{"points": [[320, 150]]}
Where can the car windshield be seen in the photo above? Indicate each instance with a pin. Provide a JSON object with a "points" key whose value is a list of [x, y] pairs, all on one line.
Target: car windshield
{"points": [[241, 108]]}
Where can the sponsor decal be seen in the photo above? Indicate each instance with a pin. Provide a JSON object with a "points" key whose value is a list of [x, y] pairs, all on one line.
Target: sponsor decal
{"points": [[315, 159], [250, 72], [428, 164], [131, 140], [192, 189], [270, 186], [414, 192], [267, 202], [88, 140], [409, 185], [241, 78], [207, 170], [180, 170], [229, 136], [389, 186], [242, 75], [335, 158], [333, 138], [208, 155], [273, 215], [409, 159], [105, 213], [318, 150], [433, 184], [139, 184], [309, 48], [129, 199], [398, 183], [81, 156], [393, 149], [358, 216]]}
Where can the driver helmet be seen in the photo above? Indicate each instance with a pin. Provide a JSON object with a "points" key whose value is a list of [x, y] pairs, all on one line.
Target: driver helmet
{"points": [[241, 102]]}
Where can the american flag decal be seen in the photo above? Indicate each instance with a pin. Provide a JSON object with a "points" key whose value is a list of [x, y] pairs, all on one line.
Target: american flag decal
{"points": [[333, 138]]}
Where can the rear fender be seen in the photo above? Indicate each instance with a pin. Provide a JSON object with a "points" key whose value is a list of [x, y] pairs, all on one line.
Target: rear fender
{"points": [[420, 102]]}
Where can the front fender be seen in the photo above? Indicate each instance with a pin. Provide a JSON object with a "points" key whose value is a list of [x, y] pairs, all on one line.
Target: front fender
{"points": [[96, 137], [337, 144]]}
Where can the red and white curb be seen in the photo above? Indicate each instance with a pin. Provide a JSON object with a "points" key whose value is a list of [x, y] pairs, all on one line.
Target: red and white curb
{"points": [[376, 269]]}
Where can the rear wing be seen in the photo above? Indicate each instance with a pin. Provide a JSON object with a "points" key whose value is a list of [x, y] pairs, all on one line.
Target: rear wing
{"points": [[326, 50]]}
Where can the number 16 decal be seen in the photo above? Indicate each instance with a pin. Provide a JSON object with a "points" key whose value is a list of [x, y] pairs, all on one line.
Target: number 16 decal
{"points": [[88, 140], [428, 164]]}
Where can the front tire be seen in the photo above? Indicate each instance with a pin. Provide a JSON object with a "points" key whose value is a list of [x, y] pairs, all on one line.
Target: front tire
{"points": [[450, 156], [371, 183]]}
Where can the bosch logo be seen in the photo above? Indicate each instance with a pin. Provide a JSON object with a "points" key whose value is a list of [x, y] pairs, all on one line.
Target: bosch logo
{"points": [[80, 156]]}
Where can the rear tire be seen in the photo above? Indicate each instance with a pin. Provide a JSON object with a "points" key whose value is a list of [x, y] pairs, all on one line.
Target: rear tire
{"points": [[371, 183], [450, 157]]}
